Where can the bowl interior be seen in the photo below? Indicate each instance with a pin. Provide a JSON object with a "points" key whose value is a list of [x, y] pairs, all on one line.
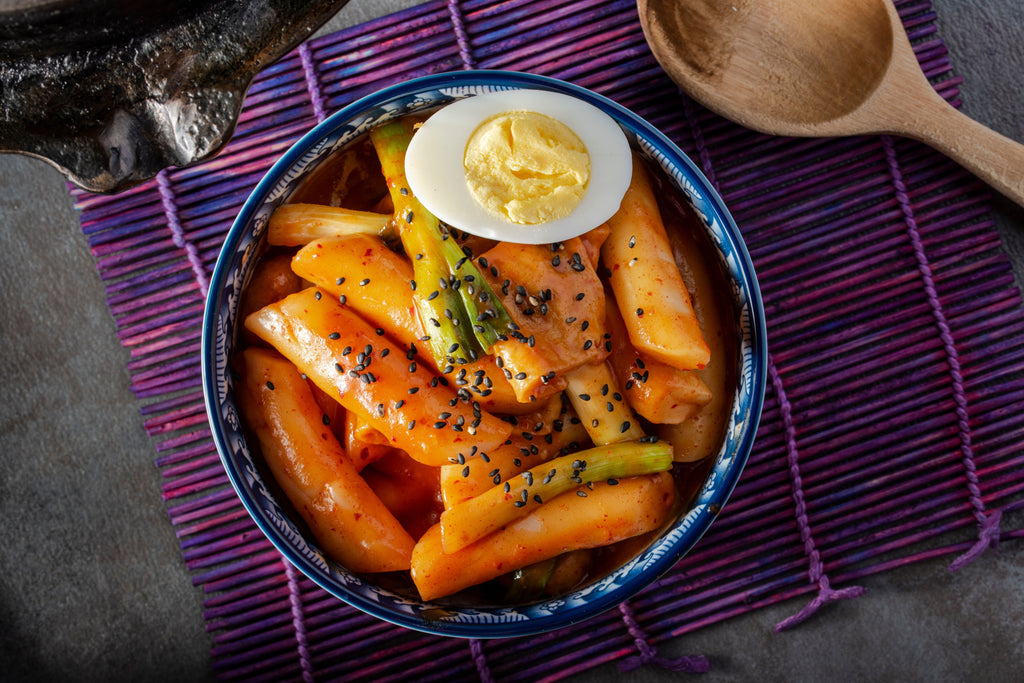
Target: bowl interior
{"points": [[236, 264]]}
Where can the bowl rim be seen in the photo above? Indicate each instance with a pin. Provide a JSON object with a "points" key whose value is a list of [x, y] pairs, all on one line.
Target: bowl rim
{"points": [[688, 535]]}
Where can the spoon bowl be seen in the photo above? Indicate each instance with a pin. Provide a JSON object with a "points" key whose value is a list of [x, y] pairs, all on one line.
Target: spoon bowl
{"points": [[816, 69]]}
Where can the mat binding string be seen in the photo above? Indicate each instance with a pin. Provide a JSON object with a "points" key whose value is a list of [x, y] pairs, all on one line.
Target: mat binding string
{"points": [[892, 426]]}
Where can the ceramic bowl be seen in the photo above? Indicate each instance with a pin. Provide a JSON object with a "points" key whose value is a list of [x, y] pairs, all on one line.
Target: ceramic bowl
{"points": [[450, 617]]}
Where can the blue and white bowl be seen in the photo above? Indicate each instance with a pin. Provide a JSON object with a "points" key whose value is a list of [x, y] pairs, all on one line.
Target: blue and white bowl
{"points": [[478, 621]]}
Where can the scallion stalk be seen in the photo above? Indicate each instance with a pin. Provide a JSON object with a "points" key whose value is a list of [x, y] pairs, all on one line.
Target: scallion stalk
{"points": [[457, 307], [477, 517]]}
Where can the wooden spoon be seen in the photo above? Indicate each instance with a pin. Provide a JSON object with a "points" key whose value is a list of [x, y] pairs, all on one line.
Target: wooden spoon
{"points": [[819, 68]]}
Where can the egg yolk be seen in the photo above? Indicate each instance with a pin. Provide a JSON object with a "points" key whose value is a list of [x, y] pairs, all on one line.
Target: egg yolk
{"points": [[526, 167]]}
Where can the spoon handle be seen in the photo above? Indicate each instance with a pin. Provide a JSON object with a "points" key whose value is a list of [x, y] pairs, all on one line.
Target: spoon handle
{"points": [[994, 158]]}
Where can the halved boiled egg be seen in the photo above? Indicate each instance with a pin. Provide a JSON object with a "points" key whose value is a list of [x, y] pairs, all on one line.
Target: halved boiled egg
{"points": [[527, 166]]}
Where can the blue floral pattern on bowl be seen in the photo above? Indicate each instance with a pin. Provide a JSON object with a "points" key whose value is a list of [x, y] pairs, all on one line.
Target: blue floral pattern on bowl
{"points": [[235, 266]]}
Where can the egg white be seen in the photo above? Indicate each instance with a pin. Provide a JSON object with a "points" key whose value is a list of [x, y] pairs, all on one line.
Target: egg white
{"points": [[437, 177]]}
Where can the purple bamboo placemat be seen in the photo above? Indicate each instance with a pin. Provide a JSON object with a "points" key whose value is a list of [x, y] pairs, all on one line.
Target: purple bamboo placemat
{"points": [[892, 429]]}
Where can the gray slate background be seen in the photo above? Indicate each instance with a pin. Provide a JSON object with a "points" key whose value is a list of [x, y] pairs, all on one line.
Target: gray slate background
{"points": [[92, 585]]}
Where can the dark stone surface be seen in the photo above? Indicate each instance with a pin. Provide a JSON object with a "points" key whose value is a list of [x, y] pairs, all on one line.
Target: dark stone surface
{"points": [[92, 584]]}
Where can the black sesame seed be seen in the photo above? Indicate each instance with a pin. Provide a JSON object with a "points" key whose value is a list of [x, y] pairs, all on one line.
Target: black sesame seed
{"points": [[317, 295], [270, 385], [343, 299], [327, 420]]}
